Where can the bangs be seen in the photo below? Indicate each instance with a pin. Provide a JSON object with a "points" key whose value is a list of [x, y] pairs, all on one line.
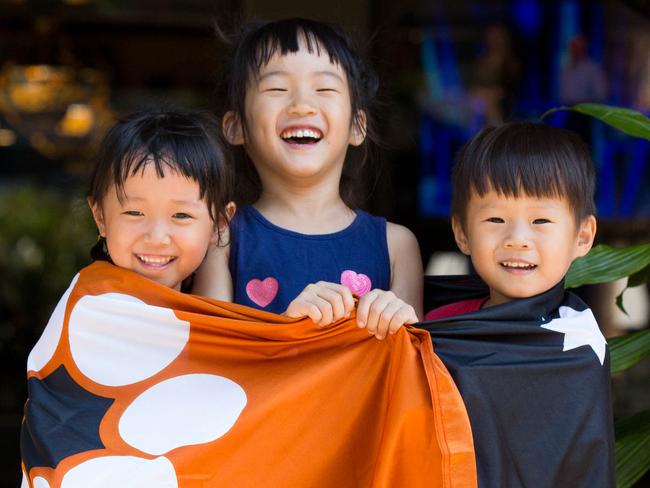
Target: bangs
{"points": [[514, 175], [187, 143], [525, 159], [285, 37], [276, 43], [184, 151], [137, 162]]}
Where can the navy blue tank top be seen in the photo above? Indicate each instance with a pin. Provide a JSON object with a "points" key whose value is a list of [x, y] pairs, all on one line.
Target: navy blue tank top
{"points": [[270, 265]]}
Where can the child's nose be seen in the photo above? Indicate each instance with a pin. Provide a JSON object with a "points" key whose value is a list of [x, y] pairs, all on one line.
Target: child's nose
{"points": [[517, 237], [301, 104], [158, 233]]}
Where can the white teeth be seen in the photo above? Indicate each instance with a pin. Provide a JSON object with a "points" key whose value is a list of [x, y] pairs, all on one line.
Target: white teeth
{"points": [[287, 134], [155, 260], [510, 264]]}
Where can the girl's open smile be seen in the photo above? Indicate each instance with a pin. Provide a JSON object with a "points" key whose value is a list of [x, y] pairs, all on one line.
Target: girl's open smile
{"points": [[301, 135]]}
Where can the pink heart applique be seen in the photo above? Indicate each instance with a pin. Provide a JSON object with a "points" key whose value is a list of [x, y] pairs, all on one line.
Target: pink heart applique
{"points": [[357, 282], [262, 292]]}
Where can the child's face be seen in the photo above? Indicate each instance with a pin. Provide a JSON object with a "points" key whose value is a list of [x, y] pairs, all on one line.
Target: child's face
{"points": [[161, 229], [521, 246], [298, 118]]}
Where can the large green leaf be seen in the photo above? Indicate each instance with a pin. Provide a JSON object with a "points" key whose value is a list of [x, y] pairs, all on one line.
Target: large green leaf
{"points": [[632, 447], [627, 350], [628, 121], [604, 263]]}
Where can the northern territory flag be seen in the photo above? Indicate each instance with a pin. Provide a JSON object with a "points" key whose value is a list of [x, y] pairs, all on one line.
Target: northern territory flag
{"points": [[133, 384], [534, 375]]}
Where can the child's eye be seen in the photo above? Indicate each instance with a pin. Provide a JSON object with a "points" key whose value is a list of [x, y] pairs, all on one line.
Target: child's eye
{"points": [[133, 213], [333, 90], [276, 89], [182, 216], [495, 220], [541, 221]]}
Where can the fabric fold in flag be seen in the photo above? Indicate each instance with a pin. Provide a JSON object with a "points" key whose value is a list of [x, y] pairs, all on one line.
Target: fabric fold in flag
{"points": [[534, 375], [133, 384]]}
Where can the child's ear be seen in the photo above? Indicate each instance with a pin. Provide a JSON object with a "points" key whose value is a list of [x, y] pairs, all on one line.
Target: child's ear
{"points": [[586, 235], [220, 234], [459, 234], [232, 129], [98, 215], [231, 208], [358, 130]]}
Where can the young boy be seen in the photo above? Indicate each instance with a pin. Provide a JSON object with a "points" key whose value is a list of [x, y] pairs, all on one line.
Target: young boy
{"points": [[522, 209], [526, 355]]}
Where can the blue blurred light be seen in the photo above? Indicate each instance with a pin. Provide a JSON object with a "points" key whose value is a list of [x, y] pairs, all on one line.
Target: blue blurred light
{"points": [[528, 16]]}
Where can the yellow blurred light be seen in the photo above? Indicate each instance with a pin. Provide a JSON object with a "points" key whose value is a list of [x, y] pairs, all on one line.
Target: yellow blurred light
{"points": [[39, 72], [78, 120], [7, 137]]}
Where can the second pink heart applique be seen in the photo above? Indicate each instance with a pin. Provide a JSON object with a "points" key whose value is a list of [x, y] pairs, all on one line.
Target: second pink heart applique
{"points": [[358, 283], [262, 292]]}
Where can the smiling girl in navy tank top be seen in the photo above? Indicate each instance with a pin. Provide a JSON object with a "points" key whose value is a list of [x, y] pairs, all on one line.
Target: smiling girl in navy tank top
{"points": [[297, 97]]}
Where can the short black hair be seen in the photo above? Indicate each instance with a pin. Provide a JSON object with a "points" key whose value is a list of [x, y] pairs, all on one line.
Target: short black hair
{"points": [[526, 158], [253, 45], [187, 142]]}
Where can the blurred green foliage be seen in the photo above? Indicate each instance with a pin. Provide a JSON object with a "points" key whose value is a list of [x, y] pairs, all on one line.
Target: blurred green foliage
{"points": [[45, 239]]}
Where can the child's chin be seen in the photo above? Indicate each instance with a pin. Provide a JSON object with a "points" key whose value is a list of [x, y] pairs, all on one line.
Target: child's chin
{"points": [[529, 293], [510, 295], [169, 282]]}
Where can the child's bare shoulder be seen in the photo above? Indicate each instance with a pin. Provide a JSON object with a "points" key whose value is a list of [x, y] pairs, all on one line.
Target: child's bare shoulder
{"points": [[400, 237]]}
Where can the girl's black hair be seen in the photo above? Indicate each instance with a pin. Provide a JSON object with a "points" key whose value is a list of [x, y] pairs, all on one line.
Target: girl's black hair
{"points": [[253, 46], [186, 142], [525, 158]]}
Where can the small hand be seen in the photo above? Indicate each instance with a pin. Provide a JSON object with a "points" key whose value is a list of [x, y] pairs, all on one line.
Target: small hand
{"points": [[323, 302], [381, 312]]}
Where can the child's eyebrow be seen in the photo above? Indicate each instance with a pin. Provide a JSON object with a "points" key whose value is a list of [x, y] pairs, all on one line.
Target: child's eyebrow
{"points": [[131, 198], [533, 207], [190, 203], [272, 73], [177, 201], [328, 73], [489, 206]]}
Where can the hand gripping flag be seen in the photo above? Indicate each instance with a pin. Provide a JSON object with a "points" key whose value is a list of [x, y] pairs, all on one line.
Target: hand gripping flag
{"points": [[534, 374], [133, 384]]}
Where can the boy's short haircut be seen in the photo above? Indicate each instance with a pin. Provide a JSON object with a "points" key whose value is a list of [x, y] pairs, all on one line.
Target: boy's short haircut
{"points": [[187, 142], [525, 158]]}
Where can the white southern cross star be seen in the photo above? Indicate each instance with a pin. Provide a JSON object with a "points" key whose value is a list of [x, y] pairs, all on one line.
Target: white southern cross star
{"points": [[579, 329]]}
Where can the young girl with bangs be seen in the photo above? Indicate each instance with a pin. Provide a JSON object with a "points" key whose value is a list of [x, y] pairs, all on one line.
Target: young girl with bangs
{"points": [[160, 193], [297, 97]]}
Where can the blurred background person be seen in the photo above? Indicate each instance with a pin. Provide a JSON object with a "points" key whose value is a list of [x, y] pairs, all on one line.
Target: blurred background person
{"points": [[582, 80], [495, 74]]}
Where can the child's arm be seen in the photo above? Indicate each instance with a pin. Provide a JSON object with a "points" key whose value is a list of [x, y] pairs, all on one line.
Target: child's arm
{"points": [[385, 312], [213, 278], [407, 275]]}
